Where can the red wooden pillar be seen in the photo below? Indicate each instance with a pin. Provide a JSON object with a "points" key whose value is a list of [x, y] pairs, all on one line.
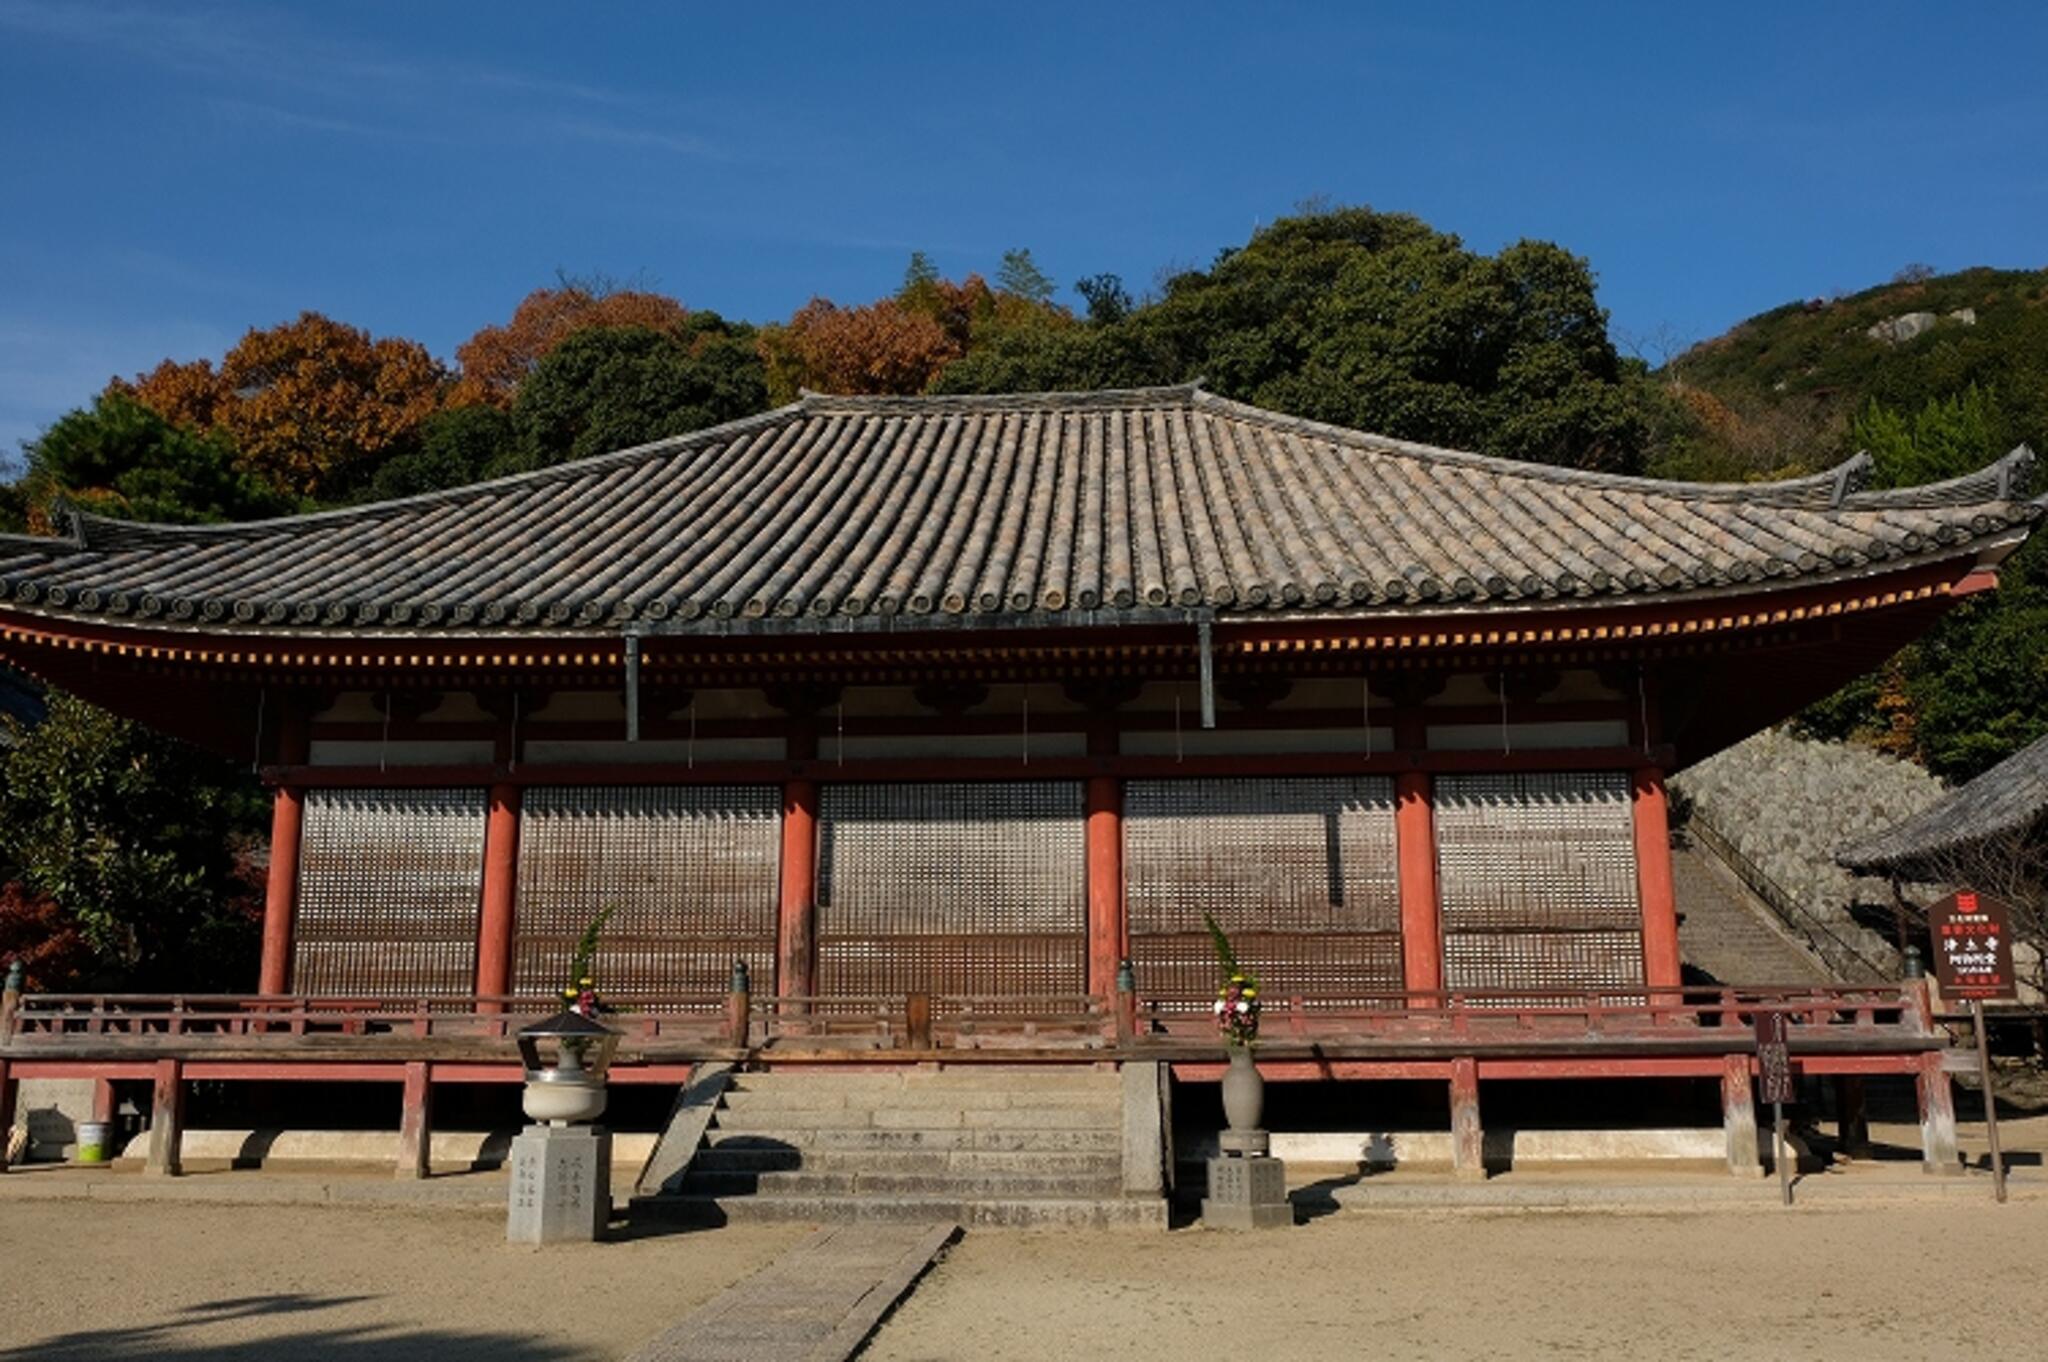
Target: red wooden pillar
{"points": [[1939, 1150], [1108, 932], [9, 1084], [281, 889], [415, 1129], [1738, 1116], [1653, 881], [1468, 1138], [1422, 939], [495, 921], [796, 928], [167, 1120]]}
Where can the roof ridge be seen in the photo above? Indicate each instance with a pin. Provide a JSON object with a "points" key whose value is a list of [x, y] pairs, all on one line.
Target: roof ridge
{"points": [[132, 530], [1811, 489], [1177, 394]]}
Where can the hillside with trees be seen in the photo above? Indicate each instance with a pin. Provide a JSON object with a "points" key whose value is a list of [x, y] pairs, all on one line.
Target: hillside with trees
{"points": [[1366, 319]]}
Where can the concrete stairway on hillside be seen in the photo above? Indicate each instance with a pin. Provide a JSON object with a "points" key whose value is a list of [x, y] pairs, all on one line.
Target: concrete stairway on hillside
{"points": [[981, 1145], [1727, 935]]}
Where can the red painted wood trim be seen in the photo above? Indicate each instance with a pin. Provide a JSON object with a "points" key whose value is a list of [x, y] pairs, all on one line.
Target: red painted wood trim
{"points": [[1422, 943], [1056, 768], [496, 918], [415, 1128], [281, 887], [796, 923], [1105, 882], [1659, 901], [10, 1087]]}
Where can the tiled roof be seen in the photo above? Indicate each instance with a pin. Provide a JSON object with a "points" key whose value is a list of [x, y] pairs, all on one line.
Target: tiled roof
{"points": [[2005, 801], [837, 508]]}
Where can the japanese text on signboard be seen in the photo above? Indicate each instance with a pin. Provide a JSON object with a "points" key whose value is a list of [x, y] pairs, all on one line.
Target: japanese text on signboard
{"points": [[1972, 946]]}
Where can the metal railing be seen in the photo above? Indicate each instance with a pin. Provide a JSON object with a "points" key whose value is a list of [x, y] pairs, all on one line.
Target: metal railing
{"points": [[1820, 936]]}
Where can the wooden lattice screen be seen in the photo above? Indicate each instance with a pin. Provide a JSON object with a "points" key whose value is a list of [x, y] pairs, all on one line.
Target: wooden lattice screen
{"points": [[1301, 872], [959, 888], [1538, 876], [388, 893], [690, 872]]}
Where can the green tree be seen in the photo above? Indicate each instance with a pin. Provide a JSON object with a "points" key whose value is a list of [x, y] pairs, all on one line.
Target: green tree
{"points": [[458, 446], [1946, 438], [615, 387], [119, 458], [1109, 302], [1019, 276], [140, 840]]}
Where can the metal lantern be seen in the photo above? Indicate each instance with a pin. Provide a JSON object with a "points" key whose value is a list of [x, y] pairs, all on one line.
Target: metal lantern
{"points": [[566, 1058]]}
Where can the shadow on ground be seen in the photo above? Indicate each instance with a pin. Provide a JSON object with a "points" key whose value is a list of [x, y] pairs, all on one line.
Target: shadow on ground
{"points": [[293, 1331]]}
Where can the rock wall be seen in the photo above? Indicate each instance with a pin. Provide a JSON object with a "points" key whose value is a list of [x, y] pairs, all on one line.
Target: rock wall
{"points": [[1789, 803]]}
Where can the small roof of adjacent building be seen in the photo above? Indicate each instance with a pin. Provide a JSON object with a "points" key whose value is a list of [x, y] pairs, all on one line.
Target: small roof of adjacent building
{"points": [[2009, 799], [1041, 505]]}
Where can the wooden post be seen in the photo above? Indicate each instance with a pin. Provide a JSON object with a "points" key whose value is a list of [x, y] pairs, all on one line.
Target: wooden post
{"points": [[1939, 1152], [917, 1021], [415, 1126], [281, 886], [1105, 883], [739, 1003], [103, 1099], [9, 1085], [1852, 1126], [1422, 940], [1738, 1116], [796, 928], [497, 916], [167, 1120], [1468, 1138], [1661, 969]]}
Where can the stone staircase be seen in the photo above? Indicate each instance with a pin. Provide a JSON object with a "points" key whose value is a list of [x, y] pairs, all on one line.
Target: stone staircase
{"points": [[1727, 935], [981, 1145]]}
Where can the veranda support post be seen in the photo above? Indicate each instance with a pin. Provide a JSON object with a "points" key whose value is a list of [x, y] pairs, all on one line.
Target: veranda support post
{"points": [[1738, 1116], [1661, 968], [8, 1087], [1468, 1137], [167, 1120], [415, 1125]]}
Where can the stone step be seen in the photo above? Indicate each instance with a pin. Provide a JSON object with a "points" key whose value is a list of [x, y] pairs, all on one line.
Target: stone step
{"points": [[964, 1185], [776, 1118], [739, 1158], [954, 1137], [803, 1095], [1148, 1213]]}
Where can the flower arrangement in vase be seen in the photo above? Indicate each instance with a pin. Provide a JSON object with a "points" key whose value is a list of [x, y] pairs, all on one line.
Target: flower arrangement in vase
{"points": [[1237, 1001]]}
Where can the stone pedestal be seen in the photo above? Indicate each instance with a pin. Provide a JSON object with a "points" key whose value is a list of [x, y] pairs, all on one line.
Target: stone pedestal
{"points": [[561, 1185], [1247, 1192]]}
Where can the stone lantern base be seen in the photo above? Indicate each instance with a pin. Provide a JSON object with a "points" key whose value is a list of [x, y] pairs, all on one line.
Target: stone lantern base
{"points": [[561, 1185], [1247, 1187]]}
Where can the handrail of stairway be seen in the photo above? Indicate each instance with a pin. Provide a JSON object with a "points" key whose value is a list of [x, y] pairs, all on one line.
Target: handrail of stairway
{"points": [[1780, 900]]}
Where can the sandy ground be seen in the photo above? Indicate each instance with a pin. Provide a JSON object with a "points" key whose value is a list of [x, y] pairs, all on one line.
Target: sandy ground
{"points": [[1752, 1284], [112, 1282]]}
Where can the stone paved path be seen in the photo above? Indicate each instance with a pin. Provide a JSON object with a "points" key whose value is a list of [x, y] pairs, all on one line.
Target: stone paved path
{"points": [[816, 1303]]}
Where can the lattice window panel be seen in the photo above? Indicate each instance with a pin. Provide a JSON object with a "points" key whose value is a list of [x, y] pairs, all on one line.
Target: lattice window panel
{"points": [[1302, 873], [388, 893], [691, 872], [1538, 881], [953, 887]]}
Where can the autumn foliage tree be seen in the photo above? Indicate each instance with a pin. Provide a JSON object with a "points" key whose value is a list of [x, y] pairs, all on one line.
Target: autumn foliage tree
{"points": [[498, 359]]}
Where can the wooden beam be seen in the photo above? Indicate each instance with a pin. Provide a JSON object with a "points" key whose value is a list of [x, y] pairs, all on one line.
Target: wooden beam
{"points": [[1655, 892], [167, 1120], [497, 915]]}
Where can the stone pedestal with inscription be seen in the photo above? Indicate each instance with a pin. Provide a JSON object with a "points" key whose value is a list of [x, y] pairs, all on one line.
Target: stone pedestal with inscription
{"points": [[1247, 1187], [561, 1185]]}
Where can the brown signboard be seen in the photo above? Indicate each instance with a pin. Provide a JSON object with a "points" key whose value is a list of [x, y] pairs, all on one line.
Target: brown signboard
{"points": [[1774, 1058], [1972, 936]]}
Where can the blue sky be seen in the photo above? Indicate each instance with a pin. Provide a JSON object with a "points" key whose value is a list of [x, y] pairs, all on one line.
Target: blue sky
{"points": [[173, 174]]}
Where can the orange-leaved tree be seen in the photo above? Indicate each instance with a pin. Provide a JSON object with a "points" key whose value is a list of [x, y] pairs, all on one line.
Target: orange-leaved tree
{"points": [[884, 347], [497, 359], [314, 404]]}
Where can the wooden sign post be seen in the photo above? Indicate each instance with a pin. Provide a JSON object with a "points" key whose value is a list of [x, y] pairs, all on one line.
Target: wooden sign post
{"points": [[1972, 935], [1774, 1078]]}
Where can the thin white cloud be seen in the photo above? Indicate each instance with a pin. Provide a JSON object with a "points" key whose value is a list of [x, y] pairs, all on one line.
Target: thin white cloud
{"points": [[49, 367]]}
